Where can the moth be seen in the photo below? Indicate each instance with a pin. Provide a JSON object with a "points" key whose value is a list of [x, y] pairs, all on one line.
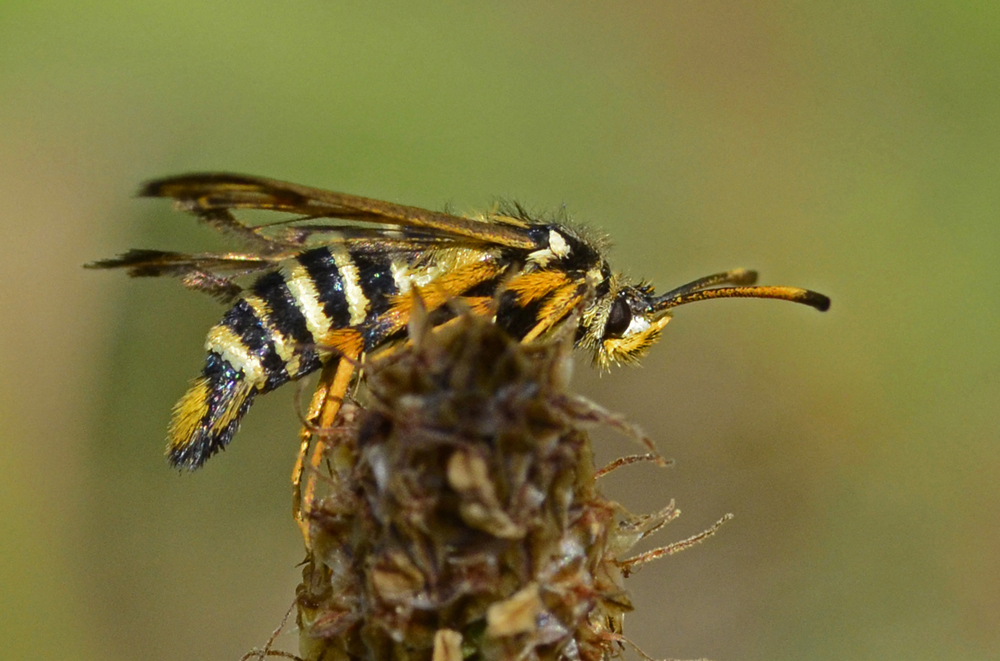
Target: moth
{"points": [[336, 281]]}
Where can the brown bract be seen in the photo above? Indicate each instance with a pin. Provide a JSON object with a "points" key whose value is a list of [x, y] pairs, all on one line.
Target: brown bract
{"points": [[457, 514]]}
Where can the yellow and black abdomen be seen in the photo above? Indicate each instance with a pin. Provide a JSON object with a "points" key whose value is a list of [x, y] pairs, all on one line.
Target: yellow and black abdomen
{"points": [[280, 329]]}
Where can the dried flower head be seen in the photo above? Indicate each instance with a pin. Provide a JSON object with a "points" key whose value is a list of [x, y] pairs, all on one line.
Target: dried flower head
{"points": [[457, 515]]}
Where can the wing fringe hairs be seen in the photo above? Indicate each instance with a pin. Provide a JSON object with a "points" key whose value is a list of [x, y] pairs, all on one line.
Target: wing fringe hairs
{"points": [[458, 515]]}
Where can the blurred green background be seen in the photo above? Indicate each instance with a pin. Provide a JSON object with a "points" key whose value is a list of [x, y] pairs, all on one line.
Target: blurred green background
{"points": [[852, 147]]}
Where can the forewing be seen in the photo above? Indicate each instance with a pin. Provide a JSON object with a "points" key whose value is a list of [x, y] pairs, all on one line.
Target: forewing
{"points": [[151, 263], [213, 195], [211, 273]]}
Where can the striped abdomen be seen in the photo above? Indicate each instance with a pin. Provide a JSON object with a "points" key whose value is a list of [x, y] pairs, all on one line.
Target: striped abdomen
{"points": [[282, 328], [339, 301]]}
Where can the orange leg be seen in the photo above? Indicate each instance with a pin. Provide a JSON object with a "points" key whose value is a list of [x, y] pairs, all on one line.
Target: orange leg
{"points": [[326, 402], [564, 300], [306, 433]]}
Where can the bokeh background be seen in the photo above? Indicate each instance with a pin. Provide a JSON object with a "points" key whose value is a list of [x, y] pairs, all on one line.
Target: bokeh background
{"points": [[849, 147]]}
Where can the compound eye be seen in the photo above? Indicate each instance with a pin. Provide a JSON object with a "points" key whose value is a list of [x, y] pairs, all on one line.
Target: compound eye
{"points": [[618, 319]]}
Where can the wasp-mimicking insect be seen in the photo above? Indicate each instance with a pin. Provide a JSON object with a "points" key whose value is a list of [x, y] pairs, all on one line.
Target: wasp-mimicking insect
{"points": [[311, 293]]}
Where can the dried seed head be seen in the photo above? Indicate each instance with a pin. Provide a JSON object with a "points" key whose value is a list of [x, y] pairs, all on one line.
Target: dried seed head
{"points": [[459, 516]]}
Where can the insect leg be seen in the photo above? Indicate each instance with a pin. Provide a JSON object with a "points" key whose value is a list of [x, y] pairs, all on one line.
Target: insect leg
{"points": [[305, 435], [560, 303], [326, 402]]}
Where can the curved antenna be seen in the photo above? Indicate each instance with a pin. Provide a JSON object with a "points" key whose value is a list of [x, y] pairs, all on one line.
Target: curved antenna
{"points": [[734, 277], [700, 290]]}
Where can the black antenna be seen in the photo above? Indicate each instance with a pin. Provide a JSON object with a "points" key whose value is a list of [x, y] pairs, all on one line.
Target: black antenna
{"points": [[705, 288]]}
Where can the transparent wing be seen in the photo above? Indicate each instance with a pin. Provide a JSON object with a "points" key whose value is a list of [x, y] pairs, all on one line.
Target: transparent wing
{"points": [[213, 196]]}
